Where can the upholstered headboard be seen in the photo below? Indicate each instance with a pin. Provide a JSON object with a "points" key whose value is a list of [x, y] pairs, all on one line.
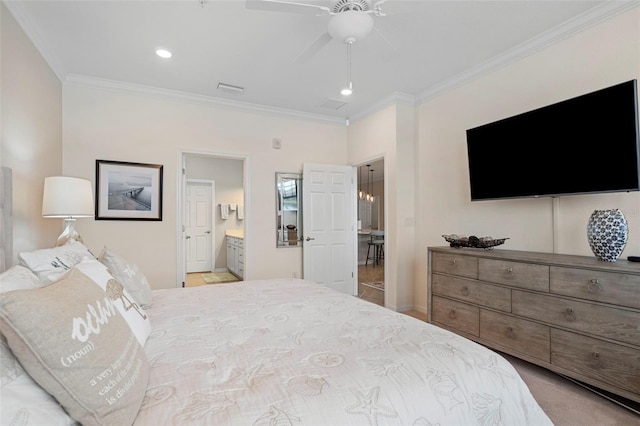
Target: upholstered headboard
{"points": [[6, 220]]}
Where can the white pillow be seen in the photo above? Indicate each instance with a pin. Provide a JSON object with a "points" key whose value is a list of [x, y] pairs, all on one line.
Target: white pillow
{"points": [[24, 402], [51, 264], [133, 314], [129, 275], [18, 278]]}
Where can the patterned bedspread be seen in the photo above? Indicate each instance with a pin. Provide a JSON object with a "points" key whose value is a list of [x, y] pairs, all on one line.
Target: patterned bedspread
{"points": [[290, 352]]}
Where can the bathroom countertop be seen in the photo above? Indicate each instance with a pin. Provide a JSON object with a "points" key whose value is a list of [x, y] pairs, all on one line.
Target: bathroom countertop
{"points": [[237, 233]]}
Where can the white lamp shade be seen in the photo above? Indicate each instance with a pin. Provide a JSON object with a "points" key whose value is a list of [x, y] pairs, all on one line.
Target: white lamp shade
{"points": [[67, 197]]}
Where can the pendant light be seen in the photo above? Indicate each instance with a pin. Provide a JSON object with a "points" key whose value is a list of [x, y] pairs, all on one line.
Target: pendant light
{"points": [[369, 197], [360, 191]]}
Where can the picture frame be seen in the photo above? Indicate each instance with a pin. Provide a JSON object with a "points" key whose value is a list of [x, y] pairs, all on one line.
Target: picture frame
{"points": [[128, 191]]}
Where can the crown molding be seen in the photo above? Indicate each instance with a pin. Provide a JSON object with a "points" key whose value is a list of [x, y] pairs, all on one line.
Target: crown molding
{"points": [[176, 95], [20, 13], [568, 28]]}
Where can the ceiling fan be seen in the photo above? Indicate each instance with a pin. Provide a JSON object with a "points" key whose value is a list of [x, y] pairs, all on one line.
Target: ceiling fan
{"points": [[351, 20]]}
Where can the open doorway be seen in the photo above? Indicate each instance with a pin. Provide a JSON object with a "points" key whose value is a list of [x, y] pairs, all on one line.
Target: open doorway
{"points": [[211, 218], [371, 231]]}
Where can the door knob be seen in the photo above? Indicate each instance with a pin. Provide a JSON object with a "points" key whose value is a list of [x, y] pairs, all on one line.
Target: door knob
{"points": [[187, 237], [309, 239], [207, 232]]}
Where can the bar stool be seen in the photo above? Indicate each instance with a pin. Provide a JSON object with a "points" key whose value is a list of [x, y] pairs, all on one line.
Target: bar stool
{"points": [[376, 244]]}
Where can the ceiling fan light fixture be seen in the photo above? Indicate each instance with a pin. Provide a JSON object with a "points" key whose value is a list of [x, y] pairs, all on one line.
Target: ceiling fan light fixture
{"points": [[347, 90], [350, 26]]}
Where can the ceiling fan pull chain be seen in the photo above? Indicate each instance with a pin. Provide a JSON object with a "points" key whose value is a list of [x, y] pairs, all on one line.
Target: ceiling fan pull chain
{"points": [[349, 64]]}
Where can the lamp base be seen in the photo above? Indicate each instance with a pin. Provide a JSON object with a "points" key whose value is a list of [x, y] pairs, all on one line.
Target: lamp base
{"points": [[69, 233]]}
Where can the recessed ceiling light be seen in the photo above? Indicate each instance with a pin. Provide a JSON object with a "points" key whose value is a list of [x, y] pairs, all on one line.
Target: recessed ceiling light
{"points": [[163, 53]]}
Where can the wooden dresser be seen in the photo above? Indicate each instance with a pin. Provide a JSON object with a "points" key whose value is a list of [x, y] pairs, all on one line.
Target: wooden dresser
{"points": [[574, 315]]}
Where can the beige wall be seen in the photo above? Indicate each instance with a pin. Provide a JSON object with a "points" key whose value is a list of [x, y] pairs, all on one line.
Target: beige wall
{"points": [[113, 125], [390, 134], [595, 58], [31, 121]]}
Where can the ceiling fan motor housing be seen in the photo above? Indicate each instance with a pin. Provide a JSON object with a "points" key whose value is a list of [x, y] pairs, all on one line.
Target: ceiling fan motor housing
{"points": [[344, 5]]}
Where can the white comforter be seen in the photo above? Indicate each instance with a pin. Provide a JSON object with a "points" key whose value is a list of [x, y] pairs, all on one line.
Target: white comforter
{"points": [[290, 352]]}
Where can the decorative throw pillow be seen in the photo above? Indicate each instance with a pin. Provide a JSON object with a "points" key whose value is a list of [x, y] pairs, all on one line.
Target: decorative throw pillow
{"points": [[18, 278], [24, 402], [51, 264], [133, 314], [72, 341], [128, 274]]}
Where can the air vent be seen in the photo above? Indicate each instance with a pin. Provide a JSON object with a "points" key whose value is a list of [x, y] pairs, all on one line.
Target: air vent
{"points": [[333, 104], [230, 88], [357, 5]]}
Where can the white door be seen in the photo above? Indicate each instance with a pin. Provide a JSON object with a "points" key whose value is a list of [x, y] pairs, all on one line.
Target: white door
{"points": [[198, 226], [329, 226]]}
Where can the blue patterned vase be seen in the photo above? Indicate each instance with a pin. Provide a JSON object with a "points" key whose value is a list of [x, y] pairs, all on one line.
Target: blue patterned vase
{"points": [[607, 233]]}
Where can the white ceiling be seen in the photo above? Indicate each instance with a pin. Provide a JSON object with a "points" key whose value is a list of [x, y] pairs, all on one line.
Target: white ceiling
{"points": [[419, 49]]}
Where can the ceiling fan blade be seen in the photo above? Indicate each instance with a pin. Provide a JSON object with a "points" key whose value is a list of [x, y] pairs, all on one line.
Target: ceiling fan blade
{"points": [[389, 46], [284, 6], [313, 48]]}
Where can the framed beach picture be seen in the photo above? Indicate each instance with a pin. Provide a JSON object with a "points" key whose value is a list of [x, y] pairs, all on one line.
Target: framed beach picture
{"points": [[128, 191]]}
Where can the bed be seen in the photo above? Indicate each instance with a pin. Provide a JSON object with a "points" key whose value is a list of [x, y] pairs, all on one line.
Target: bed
{"points": [[85, 339]]}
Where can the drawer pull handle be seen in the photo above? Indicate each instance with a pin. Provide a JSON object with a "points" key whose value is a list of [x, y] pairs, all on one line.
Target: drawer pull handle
{"points": [[510, 332], [510, 270], [570, 315], [452, 313], [594, 286], [465, 291], [453, 262], [596, 360]]}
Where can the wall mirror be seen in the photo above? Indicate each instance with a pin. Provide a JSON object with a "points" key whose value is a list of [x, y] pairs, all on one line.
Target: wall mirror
{"points": [[288, 209]]}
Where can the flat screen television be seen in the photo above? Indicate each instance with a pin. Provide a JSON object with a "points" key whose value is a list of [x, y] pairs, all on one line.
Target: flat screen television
{"points": [[587, 144]]}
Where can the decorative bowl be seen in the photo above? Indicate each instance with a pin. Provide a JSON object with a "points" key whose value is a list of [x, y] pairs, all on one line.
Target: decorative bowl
{"points": [[472, 241]]}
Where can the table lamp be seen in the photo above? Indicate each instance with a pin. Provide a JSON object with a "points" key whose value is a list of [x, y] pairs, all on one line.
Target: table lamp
{"points": [[68, 198]]}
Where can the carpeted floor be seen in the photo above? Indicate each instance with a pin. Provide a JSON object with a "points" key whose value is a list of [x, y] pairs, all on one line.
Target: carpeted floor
{"points": [[568, 404]]}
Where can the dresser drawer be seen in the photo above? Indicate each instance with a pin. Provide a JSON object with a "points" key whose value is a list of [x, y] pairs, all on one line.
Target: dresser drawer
{"points": [[492, 296], [604, 321], [514, 333], [614, 364], [524, 275], [457, 315], [454, 264], [608, 287]]}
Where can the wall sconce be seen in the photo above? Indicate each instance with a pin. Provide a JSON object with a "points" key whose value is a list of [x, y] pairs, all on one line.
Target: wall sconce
{"points": [[68, 198]]}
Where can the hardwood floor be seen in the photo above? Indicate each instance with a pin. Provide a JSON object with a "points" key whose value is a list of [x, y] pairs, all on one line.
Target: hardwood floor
{"points": [[372, 273], [369, 274]]}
